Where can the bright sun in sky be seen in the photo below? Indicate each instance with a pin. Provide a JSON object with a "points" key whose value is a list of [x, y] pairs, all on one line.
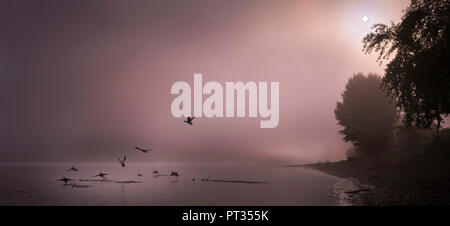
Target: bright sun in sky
{"points": [[365, 19]]}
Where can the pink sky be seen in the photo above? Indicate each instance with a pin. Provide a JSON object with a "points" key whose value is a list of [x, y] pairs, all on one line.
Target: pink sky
{"points": [[88, 81]]}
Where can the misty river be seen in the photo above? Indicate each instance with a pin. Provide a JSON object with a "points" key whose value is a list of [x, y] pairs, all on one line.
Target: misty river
{"points": [[197, 184]]}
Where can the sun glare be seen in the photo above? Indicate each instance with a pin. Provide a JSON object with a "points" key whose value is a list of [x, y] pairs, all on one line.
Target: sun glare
{"points": [[365, 19]]}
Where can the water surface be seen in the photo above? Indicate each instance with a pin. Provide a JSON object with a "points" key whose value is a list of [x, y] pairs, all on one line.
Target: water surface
{"points": [[37, 185]]}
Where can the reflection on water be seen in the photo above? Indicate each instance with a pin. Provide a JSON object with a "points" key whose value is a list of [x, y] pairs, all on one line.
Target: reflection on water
{"points": [[37, 185]]}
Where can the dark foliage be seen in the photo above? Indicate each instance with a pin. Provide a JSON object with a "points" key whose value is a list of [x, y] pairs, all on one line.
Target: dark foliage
{"points": [[366, 113], [418, 76]]}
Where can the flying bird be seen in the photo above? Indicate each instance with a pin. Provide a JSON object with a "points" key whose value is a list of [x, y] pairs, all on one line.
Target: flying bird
{"points": [[174, 173], [141, 149], [155, 172], [65, 180], [102, 175], [122, 162], [73, 169], [189, 120], [139, 175]]}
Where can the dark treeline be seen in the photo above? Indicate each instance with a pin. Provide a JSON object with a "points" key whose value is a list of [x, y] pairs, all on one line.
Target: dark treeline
{"points": [[379, 113], [395, 120], [418, 75]]}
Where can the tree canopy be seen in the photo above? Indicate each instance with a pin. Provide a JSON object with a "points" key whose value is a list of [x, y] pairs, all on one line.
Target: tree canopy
{"points": [[366, 113], [418, 75]]}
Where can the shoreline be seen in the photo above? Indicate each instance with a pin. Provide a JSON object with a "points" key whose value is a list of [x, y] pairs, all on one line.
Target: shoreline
{"points": [[380, 184], [349, 191]]}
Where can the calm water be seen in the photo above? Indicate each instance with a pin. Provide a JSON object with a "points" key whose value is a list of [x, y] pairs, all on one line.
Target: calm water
{"points": [[37, 185]]}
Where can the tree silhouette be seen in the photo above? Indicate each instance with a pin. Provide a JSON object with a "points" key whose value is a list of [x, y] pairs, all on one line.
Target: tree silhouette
{"points": [[418, 76], [366, 113]]}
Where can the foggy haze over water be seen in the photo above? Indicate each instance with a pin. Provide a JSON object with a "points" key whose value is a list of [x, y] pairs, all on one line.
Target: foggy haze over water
{"points": [[87, 81]]}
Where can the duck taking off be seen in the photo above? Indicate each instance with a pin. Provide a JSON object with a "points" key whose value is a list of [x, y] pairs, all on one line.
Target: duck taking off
{"points": [[73, 169], [141, 149], [189, 120], [122, 162], [102, 175], [65, 180]]}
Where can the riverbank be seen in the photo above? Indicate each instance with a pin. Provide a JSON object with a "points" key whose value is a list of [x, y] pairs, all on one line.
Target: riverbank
{"points": [[419, 181], [415, 170]]}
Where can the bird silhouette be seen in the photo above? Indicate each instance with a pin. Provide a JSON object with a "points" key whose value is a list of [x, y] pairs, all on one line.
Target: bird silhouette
{"points": [[174, 173], [155, 172], [141, 149], [139, 175], [65, 180], [73, 169], [122, 162], [189, 120], [102, 175]]}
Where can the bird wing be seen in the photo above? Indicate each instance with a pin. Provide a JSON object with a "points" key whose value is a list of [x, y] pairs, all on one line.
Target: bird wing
{"points": [[143, 150], [124, 158]]}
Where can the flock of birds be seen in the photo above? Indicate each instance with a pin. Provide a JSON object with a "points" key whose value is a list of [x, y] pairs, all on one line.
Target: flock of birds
{"points": [[102, 175]]}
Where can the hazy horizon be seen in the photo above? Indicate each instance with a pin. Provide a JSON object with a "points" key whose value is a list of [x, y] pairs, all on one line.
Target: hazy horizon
{"points": [[87, 81]]}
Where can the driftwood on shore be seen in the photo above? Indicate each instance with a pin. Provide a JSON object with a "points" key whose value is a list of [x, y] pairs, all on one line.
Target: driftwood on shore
{"points": [[357, 191]]}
